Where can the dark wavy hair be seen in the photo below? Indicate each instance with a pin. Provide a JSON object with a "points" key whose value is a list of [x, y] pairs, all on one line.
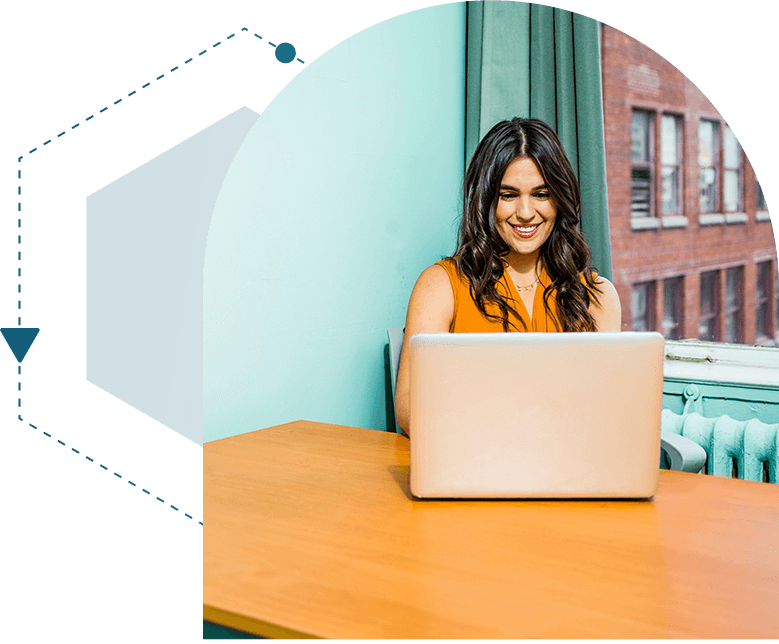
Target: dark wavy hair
{"points": [[565, 255]]}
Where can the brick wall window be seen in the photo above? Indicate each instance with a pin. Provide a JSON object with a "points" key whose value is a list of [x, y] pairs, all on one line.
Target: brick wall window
{"points": [[732, 172], [642, 307], [673, 308], [760, 203], [642, 159], [671, 160], [708, 160], [708, 328], [763, 297], [734, 287]]}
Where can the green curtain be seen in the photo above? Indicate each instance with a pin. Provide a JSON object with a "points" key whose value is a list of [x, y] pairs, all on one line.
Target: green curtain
{"points": [[535, 61]]}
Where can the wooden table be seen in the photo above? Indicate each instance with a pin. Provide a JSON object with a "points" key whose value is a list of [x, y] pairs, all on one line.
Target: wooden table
{"points": [[310, 530]]}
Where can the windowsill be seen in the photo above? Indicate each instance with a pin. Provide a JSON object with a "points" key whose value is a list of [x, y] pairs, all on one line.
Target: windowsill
{"points": [[766, 341], [711, 219], [736, 218], [718, 362], [706, 219], [644, 223], [675, 221]]}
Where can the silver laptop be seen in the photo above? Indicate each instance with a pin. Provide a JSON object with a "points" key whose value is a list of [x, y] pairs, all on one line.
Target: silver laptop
{"points": [[535, 415]]}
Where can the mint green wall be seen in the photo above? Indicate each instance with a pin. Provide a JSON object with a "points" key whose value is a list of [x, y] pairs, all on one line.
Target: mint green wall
{"points": [[345, 189]]}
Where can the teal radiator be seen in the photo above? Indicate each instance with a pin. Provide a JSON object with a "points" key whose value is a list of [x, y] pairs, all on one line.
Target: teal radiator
{"points": [[739, 449]]}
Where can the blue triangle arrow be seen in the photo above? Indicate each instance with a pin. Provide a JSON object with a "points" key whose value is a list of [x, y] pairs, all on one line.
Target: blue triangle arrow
{"points": [[19, 339]]}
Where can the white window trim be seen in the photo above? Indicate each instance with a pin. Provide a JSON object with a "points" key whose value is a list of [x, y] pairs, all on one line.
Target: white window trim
{"points": [[762, 215], [711, 219], [644, 223], [736, 218], [721, 363], [675, 221]]}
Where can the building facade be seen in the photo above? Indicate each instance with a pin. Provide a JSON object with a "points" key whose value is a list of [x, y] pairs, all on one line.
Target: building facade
{"points": [[693, 250]]}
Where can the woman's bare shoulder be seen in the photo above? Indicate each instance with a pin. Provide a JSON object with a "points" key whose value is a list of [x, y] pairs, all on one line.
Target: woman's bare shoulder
{"points": [[605, 285], [434, 272], [435, 276], [607, 311], [431, 306]]}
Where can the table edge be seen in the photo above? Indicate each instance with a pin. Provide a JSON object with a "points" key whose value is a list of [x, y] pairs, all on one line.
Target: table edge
{"points": [[252, 625]]}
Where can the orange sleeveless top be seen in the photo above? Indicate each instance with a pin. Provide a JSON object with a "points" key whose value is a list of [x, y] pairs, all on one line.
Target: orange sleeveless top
{"points": [[469, 319]]}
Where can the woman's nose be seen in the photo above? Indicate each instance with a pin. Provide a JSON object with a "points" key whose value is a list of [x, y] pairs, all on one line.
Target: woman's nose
{"points": [[524, 209]]}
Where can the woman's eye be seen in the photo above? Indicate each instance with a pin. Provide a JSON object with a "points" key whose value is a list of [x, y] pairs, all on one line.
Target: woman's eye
{"points": [[536, 195]]}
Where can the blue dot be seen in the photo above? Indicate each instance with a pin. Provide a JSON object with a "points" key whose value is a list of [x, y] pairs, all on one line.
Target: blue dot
{"points": [[285, 53]]}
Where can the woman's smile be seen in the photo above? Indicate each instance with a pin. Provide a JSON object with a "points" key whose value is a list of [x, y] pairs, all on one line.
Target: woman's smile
{"points": [[525, 231]]}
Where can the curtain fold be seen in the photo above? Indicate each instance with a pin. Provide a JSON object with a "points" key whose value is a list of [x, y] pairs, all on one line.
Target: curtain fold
{"points": [[531, 60]]}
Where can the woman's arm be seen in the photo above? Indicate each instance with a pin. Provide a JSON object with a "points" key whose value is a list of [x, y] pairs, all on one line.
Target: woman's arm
{"points": [[607, 312], [430, 310]]}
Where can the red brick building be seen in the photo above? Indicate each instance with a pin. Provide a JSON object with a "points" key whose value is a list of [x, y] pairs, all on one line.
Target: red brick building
{"points": [[692, 247]]}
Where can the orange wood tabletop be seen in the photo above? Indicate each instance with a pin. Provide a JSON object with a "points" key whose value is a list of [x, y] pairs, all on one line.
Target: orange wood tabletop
{"points": [[311, 531]]}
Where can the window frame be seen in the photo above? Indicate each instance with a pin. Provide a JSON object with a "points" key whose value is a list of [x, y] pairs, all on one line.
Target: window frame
{"points": [[651, 294], [715, 159], [738, 308], [714, 314], [719, 363], [738, 169], [647, 165], [766, 276], [760, 203], [678, 322], [678, 121]]}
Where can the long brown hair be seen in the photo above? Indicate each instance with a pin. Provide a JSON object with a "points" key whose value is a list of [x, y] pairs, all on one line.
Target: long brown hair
{"points": [[565, 255]]}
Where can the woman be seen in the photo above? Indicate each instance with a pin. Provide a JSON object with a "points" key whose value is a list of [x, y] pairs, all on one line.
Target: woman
{"points": [[521, 263]]}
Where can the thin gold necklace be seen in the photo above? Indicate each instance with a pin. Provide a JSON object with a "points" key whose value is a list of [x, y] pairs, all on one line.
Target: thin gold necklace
{"points": [[517, 286], [525, 288]]}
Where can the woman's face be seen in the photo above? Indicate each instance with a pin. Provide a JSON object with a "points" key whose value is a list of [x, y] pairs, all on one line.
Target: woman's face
{"points": [[526, 213]]}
